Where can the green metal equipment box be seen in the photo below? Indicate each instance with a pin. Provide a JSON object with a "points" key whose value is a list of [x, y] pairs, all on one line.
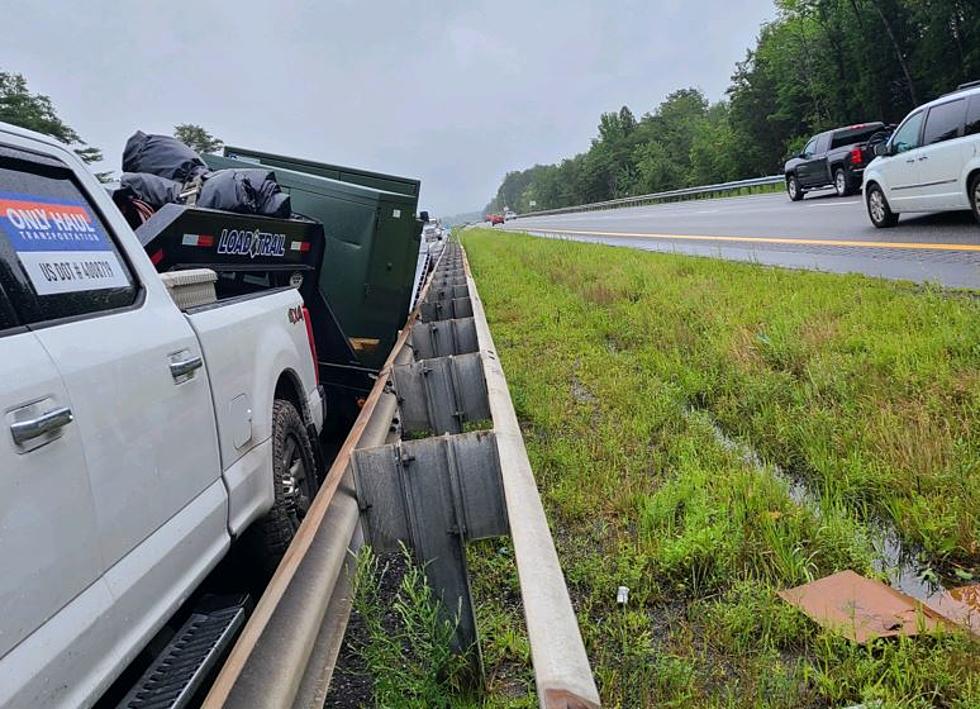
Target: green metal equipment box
{"points": [[376, 180], [372, 242]]}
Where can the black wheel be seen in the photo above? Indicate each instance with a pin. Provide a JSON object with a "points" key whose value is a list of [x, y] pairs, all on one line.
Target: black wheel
{"points": [[842, 183], [975, 196], [793, 188], [881, 214], [295, 481]]}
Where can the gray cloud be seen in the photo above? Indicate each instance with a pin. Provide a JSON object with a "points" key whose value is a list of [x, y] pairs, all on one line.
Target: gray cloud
{"points": [[456, 93]]}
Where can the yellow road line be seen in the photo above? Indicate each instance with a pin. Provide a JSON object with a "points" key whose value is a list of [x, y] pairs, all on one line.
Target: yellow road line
{"points": [[768, 240]]}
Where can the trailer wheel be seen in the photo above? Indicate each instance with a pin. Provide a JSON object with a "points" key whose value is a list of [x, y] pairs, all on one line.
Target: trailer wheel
{"points": [[295, 482]]}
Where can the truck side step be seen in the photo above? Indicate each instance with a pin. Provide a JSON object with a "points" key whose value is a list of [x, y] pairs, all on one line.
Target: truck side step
{"points": [[178, 672]]}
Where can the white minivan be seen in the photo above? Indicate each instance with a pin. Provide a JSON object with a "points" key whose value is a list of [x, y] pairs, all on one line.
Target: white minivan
{"points": [[931, 163]]}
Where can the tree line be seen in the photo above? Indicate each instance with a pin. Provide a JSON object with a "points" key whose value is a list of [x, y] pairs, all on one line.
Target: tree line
{"points": [[819, 64], [20, 106]]}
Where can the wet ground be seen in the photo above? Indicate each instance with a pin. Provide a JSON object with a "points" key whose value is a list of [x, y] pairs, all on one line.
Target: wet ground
{"points": [[899, 563]]}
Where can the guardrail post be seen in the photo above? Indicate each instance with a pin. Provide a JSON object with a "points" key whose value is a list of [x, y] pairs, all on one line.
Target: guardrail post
{"points": [[435, 495]]}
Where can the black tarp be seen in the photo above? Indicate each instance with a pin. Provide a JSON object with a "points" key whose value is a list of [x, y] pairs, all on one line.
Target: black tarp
{"points": [[248, 191], [158, 167], [155, 191], [161, 155]]}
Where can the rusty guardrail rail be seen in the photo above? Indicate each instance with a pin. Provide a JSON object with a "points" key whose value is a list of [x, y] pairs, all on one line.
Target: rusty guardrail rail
{"points": [[435, 494]]}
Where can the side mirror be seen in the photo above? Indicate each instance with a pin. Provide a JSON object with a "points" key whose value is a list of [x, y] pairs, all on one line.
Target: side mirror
{"points": [[882, 149]]}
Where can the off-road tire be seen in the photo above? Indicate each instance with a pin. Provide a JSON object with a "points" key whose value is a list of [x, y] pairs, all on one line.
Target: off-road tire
{"points": [[879, 212], [793, 188], [295, 482]]}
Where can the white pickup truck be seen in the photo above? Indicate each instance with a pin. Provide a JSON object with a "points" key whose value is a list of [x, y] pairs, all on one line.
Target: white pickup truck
{"points": [[138, 440]]}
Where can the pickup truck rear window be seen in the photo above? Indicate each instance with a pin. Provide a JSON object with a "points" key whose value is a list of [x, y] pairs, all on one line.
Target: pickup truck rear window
{"points": [[57, 256], [852, 136]]}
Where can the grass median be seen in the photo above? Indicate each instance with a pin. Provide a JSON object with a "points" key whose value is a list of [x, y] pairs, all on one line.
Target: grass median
{"points": [[670, 405]]}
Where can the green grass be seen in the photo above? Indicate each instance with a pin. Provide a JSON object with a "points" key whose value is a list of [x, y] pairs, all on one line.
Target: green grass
{"points": [[622, 362], [407, 644]]}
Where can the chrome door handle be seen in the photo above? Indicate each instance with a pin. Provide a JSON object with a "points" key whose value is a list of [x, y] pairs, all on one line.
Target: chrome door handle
{"points": [[183, 367], [48, 422]]}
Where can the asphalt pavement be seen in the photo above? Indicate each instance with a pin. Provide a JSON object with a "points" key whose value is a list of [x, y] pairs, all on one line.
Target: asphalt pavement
{"points": [[823, 232]]}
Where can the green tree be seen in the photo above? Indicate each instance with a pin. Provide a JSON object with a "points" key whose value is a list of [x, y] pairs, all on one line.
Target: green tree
{"points": [[20, 107], [819, 64], [196, 138], [713, 149], [658, 172]]}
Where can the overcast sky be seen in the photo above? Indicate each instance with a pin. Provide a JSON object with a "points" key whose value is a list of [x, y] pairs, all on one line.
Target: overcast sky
{"points": [[455, 93]]}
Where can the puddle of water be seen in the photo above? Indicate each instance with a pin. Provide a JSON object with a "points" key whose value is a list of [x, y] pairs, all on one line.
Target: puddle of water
{"points": [[893, 558], [900, 567]]}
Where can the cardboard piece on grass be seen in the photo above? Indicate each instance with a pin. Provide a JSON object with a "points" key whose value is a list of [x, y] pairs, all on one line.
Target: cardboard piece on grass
{"points": [[960, 605], [862, 609], [968, 595]]}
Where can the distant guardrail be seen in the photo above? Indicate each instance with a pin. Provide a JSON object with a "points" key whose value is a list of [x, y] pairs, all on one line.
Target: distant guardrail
{"points": [[684, 193]]}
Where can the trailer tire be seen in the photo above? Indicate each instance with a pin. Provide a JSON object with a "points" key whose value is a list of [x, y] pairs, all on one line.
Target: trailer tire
{"points": [[295, 482]]}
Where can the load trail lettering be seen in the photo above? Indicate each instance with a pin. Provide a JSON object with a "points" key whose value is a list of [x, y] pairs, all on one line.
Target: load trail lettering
{"points": [[240, 242]]}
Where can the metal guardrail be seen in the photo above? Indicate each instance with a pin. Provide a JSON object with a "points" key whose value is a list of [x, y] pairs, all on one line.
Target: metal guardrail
{"points": [[562, 673], [434, 494], [671, 195]]}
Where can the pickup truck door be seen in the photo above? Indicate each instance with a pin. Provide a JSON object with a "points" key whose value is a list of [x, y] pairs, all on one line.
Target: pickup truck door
{"points": [[49, 549], [942, 157], [814, 168], [125, 353], [900, 170], [804, 170], [148, 431]]}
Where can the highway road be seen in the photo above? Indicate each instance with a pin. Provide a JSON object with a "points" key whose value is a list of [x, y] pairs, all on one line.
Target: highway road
{"points": [[823, 232]]}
